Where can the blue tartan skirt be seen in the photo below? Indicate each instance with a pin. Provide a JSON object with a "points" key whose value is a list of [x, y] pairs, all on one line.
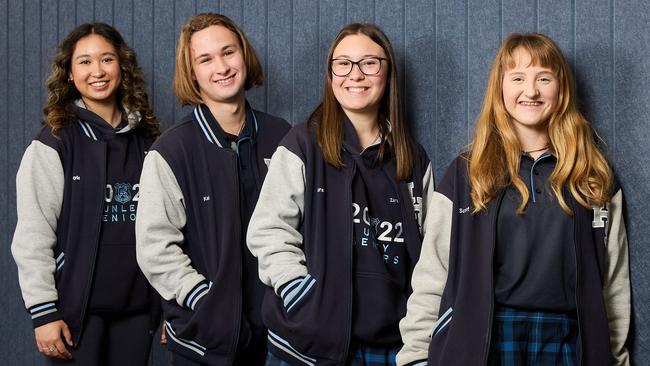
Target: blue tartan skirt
{"points": [[359, 356], [527, 338]]}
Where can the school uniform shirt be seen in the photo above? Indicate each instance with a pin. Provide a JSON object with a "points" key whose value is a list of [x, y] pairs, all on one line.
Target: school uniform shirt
{"points": [[71, 256], [189, 231], [302, 232], [449, 315]]}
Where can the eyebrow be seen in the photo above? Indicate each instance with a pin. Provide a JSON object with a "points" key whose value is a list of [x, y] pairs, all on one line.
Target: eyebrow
{"points": [[103, 54], [362, 57], [222, 49]]}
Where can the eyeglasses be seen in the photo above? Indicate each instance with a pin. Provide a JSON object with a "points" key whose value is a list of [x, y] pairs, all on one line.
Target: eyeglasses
{"points": [[368, 66]]}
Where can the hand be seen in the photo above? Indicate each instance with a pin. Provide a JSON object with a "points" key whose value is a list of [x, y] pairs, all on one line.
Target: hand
{"points": [[163, 333], [49, 341]]}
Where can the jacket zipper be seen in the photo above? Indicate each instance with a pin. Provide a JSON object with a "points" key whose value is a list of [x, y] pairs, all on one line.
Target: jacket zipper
{"points": [[577, 273], [348, 335], [488, 335], [94, 256], [235, 159]]}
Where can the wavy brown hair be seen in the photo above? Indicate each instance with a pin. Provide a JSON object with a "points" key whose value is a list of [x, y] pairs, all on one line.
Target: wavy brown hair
{"points": [[329, 115], [185, 87], [61, 94], [495, 151]]}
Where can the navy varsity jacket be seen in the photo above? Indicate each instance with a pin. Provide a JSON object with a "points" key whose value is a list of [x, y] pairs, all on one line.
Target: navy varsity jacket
{"points": [[302, 232], [189, 232]]}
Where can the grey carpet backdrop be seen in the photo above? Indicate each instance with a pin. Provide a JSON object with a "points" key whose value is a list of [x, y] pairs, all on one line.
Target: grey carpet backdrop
{"points": [[444, 48]]}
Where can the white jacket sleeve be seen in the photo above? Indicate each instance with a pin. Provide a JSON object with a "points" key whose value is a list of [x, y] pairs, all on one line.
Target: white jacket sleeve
{"points": [[39, 193], [428, 282], [273, 235], [159, 240], [616, 287]]}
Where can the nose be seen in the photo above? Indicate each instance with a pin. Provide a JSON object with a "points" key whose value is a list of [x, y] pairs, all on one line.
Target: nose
{"points": [[530, 89], [355, 73], [221, 66], [98, 69]]}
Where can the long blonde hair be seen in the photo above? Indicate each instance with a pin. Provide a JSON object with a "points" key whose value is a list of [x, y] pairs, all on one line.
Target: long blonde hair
{"points": [[495, 151]]}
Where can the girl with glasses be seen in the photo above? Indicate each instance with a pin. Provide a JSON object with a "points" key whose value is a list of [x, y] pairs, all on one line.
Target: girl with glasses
{"points": [[525, 258], [337, 228]]}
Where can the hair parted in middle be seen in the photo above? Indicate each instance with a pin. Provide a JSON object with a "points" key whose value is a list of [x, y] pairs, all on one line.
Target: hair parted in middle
{"points": [[185, 87], [328, 116], [495, 151]]}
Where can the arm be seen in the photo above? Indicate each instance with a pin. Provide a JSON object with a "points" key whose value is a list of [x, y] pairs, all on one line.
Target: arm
{"points": [[428, 282], [273, 235], [39, 193], [159, 240], [616, 287]]}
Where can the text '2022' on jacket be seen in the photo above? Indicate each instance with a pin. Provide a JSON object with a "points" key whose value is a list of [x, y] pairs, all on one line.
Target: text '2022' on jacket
{"points": [[302, 234]]}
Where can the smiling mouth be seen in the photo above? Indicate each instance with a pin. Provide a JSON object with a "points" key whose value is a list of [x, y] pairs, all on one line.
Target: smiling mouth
{"points": [[531, 103], [356, 89], [99, 84], [226, 81]]}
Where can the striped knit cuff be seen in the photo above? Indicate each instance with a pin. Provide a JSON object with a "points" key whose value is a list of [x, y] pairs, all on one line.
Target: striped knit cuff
{"points": [[197, 293], [417, 363], [293, 291], [44, 313]]}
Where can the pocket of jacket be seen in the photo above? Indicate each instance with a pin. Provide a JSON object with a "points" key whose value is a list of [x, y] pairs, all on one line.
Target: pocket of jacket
{"points": [[442, 322], [295, 290], [197, 293]]}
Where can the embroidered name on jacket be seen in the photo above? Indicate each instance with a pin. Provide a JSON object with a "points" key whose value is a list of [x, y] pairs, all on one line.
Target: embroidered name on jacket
{"points": [[120, 202]]}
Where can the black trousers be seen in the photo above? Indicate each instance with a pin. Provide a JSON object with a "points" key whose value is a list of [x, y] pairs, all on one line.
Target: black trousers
{"points": [[112, 340], [253, 354]]}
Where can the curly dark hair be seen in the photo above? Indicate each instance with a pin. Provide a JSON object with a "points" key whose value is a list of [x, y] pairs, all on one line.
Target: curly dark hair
{"points": [[131, 93]]}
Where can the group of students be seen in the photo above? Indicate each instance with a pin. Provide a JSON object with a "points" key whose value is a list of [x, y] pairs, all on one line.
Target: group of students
{"points": [[258, 243]]}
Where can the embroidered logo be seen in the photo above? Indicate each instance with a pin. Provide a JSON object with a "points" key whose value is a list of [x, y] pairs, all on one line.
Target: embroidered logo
{"points": [[600, 217], [76, 177], [123, 192], [206, 198], [393, 200], [320, 190], [463, 210]]}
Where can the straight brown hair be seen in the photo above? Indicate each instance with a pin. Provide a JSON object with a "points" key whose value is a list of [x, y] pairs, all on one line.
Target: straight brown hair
{"points": [[392, 125]]}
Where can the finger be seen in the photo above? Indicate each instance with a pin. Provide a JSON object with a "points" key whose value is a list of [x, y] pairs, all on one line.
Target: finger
{"points": [[163, 336], [61, 351], [67, 335]]}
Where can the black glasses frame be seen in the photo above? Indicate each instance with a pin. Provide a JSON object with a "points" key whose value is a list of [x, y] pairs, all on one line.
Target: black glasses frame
{"points": [[358, 63]]}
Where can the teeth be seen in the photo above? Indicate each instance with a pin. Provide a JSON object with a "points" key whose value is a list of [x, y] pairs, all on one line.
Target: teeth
{"points": [[531, 103], [99, 83], [357, 90], [226, 80]]}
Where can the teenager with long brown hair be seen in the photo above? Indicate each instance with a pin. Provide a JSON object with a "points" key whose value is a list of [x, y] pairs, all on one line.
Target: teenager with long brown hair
{"points": [[77, 190], [527, 231], [337, 227]]}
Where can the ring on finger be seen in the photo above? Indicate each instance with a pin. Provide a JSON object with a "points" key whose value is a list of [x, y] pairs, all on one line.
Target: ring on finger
{"points": [[52, 348]]}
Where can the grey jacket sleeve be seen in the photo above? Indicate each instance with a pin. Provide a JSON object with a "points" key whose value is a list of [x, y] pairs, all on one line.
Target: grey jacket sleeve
{"points": [[616, 287], [428, 282], [273, 235], [159, 240], [39, 192]]}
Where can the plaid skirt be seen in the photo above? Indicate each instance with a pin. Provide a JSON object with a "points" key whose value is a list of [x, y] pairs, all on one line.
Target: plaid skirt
{"points": [[539, 338], [359, 356]]}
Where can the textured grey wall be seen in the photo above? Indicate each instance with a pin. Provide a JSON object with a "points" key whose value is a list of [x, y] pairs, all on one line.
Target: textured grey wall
{"points": [[445, 48]]}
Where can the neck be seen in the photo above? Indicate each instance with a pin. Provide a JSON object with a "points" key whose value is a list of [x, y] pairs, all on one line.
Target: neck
{"points": [[366, 127], [107, 110], [535, 142], [230, 116]]}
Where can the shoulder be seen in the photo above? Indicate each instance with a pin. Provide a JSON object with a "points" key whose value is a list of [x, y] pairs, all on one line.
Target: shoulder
{"points": [[270, 122], [181, 133]]}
